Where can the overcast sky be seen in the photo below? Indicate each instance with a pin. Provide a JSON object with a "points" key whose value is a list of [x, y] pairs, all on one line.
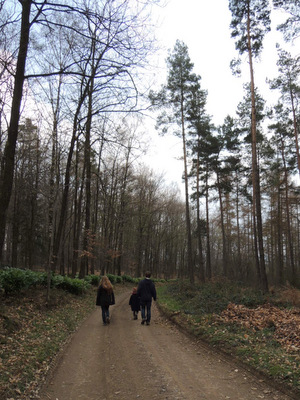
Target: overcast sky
{"points": [[204, 26]]}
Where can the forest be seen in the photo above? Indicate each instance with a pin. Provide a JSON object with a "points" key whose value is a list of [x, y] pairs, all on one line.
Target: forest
{"points": [[75, 197]]}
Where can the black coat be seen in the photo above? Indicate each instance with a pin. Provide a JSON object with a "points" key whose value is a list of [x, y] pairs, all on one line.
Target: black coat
{"points": [[134, 302], [104, 298], [146, 290]]}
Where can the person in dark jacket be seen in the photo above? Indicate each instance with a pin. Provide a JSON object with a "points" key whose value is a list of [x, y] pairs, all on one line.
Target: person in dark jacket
{"points": [[134, 302], [146, 291], [105, 298]]}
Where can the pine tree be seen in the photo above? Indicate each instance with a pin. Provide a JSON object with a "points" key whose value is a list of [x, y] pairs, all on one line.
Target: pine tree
{"points": [[288, 83], [282, 128], [291, 27], [199, 127], [250, 23], [176, 97]]}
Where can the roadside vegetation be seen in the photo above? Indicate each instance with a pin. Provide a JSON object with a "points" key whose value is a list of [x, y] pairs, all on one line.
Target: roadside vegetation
{"points": [[32, 332], [261, 330]]}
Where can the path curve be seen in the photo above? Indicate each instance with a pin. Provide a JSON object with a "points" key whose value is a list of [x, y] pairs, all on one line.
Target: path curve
{"points": [[126, 360]]}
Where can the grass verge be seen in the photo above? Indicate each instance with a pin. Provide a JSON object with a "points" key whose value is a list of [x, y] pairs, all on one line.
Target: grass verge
{"points": [[261, 331]]}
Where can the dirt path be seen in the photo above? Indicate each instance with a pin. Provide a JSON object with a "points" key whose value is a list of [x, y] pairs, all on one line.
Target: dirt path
{"points": [[126, 360]]}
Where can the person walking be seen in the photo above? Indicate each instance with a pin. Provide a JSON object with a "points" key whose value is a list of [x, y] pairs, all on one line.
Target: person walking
{"points": [[134, 302], [146, 291], [105, 298]]}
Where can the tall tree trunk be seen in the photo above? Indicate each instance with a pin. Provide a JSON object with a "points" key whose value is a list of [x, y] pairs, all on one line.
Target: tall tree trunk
{"points": [[77, 219], [52, 186], [15, 231], [33, 203], [255, 170], [222, 227], [200, 247], [279, 236], [295, 128], [288, 218], [97, 196], [208, 255], [187, 205], [139, 245], [7, 167], [121, 218], [237, 207], [65, 195], [84, 268]]}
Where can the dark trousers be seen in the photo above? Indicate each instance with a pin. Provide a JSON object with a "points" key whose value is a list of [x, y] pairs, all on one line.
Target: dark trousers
{"points": [[146, 311], [105, 313]]}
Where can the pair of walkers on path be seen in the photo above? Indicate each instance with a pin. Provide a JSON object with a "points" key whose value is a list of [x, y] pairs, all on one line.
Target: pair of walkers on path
{"points": [[141, 298]]}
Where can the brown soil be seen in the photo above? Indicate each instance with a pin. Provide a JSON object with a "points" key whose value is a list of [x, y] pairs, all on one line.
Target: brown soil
{"points": [[126, 360]]}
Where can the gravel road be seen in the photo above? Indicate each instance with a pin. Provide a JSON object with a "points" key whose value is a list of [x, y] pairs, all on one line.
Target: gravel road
{"points": [[126, 360]]}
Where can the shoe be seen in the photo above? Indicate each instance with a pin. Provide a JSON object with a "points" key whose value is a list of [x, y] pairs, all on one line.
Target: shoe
{"points": [[148, 323], [107, 320], [143, 321], [135, 317]]}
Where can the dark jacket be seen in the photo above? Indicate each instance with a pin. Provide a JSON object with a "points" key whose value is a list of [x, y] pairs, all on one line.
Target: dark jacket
{"points": [[134, 302], [104, 298], [146, 290]]}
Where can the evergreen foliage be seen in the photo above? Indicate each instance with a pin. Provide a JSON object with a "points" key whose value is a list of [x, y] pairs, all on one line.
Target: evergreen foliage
{"points": [[15, 280]]}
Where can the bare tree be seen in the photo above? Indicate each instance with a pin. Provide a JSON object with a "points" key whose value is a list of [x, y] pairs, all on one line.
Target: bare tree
{"points": [[122, 44]]}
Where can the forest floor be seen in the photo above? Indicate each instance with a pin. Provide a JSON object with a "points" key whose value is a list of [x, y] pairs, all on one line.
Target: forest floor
{"points": [[126, 360]]}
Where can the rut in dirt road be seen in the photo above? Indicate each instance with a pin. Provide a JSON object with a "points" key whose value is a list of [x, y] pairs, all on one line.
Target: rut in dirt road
{"points": [[126, 360]]}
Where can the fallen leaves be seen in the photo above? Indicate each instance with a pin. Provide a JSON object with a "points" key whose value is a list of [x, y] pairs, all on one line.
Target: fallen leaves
{"points": [[31, 334], [259, 333], [284, 322]]}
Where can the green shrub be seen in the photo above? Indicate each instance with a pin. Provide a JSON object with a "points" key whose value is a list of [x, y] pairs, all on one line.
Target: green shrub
{"points": [[158, 280], [112, 278], [13, 280], [43, 278], [16, 279], [74, 286], [127, 278], [79, 286], [57, 281], [92, 279]]}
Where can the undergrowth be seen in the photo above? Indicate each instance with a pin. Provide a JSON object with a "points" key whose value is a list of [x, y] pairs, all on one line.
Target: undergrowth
{"points": [[201, 310], [31, 334]]}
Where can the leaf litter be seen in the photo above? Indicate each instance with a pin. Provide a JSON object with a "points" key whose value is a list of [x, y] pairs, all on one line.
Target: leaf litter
{"points": [[284, 322]]}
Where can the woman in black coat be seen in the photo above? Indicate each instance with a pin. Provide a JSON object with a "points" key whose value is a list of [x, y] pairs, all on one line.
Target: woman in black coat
{"points": [[105, 298]]}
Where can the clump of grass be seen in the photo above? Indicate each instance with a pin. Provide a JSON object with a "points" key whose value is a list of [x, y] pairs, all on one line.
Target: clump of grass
{"points": [[170, 302]]}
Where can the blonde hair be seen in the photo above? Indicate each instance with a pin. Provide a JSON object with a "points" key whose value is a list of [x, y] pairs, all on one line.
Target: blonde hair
{"points": [[106, 283]]}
